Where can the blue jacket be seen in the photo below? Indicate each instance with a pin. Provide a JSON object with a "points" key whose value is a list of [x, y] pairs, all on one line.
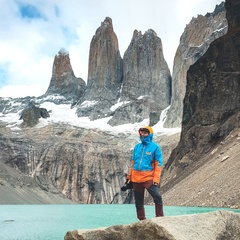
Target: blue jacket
{"points": [[146, 161]]}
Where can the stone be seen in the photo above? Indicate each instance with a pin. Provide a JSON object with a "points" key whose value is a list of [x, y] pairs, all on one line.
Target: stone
{"points": [[194, 42], [146, 80], [212, 102], [154, 118], [63, 81], [31, 114], [211, 226], [104, 73]]}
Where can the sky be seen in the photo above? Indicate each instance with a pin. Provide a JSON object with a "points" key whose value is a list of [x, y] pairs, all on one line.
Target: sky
{"points": [[32, 32]]}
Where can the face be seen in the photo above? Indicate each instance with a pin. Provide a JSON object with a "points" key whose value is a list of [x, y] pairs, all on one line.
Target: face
{"points": [[143, 133]]}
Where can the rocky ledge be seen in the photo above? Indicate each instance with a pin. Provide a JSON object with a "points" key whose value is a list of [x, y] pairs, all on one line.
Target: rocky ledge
{"points": [[209, 226]]}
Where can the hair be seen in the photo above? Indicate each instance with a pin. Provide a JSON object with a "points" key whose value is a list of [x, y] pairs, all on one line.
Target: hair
{"points": [[147, 128]]}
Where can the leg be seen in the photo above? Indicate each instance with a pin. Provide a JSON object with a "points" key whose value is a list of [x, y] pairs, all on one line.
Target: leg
{"points": [[139, 200], [157, 198]]}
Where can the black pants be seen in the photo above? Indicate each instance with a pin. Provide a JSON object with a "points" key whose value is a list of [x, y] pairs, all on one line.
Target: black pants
{"points": [[139, 190]]}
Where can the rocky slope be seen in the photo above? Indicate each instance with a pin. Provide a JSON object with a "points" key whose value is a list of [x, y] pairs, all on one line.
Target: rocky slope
{"points": [[194, 42], [87, 166], [19, 188], [211, 181], [211, 116]]}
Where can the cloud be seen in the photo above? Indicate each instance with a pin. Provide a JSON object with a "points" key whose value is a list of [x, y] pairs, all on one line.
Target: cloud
{"points": [[32, 33]]}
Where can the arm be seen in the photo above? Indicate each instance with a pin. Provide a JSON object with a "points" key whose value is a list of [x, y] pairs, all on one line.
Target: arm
{"points": [[129, 176], [130, 171], [157, 166]]}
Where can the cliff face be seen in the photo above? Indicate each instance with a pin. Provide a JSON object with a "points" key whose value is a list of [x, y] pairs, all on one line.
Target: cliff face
{"points": [[75, 162], [128, 89], [104, 73], [63, 81], [212, 102], [146, 80], [87, 166], [194, 42]]}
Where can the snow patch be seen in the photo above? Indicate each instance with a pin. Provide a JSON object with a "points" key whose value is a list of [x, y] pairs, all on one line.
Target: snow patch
{"points": [[63, 113], [86, 104], [117, 105]]}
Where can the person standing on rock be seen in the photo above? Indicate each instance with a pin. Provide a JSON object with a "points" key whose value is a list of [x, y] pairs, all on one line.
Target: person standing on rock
{"points": [[145, 172]]}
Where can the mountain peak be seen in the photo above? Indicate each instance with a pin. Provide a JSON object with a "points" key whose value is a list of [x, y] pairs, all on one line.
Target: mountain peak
{"points": [[63, 81]]}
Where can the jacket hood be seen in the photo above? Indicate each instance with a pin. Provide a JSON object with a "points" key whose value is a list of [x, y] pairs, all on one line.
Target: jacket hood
{"points": [[147, 139]]}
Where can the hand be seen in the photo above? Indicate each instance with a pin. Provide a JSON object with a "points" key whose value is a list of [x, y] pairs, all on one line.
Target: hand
{"points": [[127, 181], [155, 183]]}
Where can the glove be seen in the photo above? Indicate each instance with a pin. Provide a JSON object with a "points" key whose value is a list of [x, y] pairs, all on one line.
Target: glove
{"points": [[128, 185]]}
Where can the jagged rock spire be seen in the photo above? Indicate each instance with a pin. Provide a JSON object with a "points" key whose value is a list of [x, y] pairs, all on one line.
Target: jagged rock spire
{"points": [[146, 79], [105, 63], [146, 72], [104, 73], [63, 80]]}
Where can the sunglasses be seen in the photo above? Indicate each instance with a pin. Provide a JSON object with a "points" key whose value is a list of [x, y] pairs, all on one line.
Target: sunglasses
{"points": [[143, 130]]}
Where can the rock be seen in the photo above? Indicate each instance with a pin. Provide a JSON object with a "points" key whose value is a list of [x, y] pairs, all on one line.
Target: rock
{"points": [[31, 114], [146, 80], [211, 226], [104, 73], [224, 158], [18, 188], [86, 165], [154, 118], [63, 81], [194, 42], [212, 102], [89, 166]]}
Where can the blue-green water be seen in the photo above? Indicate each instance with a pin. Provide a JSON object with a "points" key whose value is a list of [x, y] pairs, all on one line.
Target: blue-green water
{"points": [[51, 222]]}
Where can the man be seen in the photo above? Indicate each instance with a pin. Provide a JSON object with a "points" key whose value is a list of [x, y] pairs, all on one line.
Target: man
{"points": [[145, 172]]}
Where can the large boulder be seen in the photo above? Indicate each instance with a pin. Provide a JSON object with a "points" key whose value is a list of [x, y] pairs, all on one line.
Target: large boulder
{"points": [[210, 226], [31, 114]]}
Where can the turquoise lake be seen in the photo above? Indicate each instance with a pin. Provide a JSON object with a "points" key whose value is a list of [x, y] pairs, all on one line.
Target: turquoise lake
{"points": [[51, 222]]}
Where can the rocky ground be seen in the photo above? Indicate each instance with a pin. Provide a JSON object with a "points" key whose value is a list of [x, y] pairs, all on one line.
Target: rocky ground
{"points": [[213, 182], [17, 188]]}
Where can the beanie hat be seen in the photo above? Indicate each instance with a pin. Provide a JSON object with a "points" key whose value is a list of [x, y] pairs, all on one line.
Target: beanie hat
{"points": [[146, 128]]}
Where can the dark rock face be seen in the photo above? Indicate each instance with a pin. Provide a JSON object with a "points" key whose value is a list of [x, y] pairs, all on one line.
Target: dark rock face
{"points": [[146, 80], [63, 81], [194, 42], [212, 102], [104, 73], [31, 114]]}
